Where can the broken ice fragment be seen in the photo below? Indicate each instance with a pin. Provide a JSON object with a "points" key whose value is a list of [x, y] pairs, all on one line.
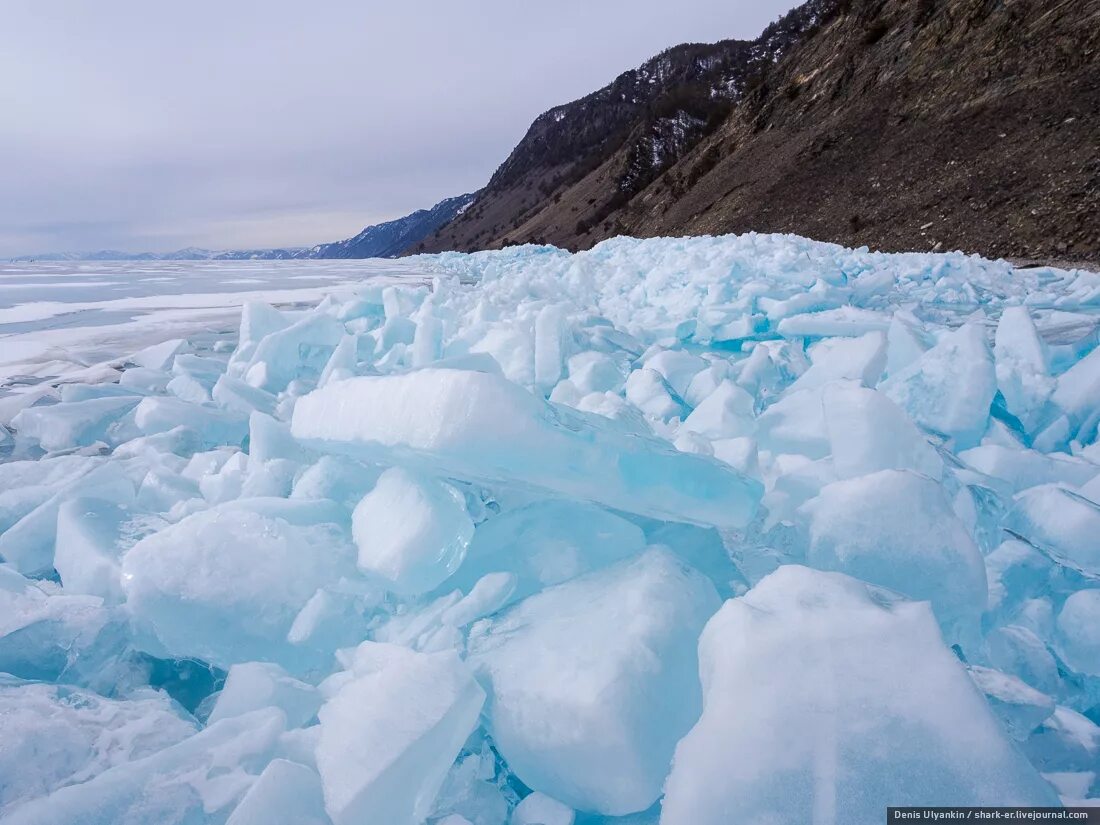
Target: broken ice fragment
{"points": [[255, 685], [204, 775], [1061, 523], [814, 711], [56, 735], [285, 792], [1079, 631], [412, 531], [477, 426], [89, 534], [869, 432], [159, 356], [1018, 705], [593, 681], [896, 529], [224, 585], [1023, 376], [950, 388], [74, 424], [547, 543], [540, 809], [390, 732]]}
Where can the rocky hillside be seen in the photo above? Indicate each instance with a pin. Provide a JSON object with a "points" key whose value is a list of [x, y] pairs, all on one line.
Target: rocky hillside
{"points": [[646, 119], [900, 124]]}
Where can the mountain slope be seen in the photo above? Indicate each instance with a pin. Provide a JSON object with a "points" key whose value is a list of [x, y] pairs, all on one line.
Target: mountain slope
{"points": [[387, 240], [901, 124], [647, 117]]}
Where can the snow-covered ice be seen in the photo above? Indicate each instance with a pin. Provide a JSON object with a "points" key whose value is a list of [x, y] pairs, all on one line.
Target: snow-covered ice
{"points": [[58, 735], [392, 726], [592, 682], [225, 584], [446, 540], [412, 532], [897, 529], [823, 697]]}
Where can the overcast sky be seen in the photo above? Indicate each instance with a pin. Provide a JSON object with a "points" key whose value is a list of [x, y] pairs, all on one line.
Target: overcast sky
{"points": [[148, 125]]}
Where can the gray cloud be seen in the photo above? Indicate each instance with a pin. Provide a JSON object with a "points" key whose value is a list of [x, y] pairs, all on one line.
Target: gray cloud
{"points": [[227, 123]]}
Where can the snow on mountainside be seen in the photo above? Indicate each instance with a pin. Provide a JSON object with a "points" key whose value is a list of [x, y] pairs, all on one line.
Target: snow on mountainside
{"points": [[390, 239], [691, 531]]}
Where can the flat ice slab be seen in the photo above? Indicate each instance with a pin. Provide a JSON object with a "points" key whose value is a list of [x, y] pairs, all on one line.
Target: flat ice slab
{"points": [[479, 426]]}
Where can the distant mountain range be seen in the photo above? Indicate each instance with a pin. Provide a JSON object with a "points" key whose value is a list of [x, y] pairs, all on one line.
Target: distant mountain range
{"points": [[390, 239], [384, 240], [191, 253]]}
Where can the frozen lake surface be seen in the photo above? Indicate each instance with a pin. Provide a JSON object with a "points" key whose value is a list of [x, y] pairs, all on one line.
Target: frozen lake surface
{"points": [[69, 315]]}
